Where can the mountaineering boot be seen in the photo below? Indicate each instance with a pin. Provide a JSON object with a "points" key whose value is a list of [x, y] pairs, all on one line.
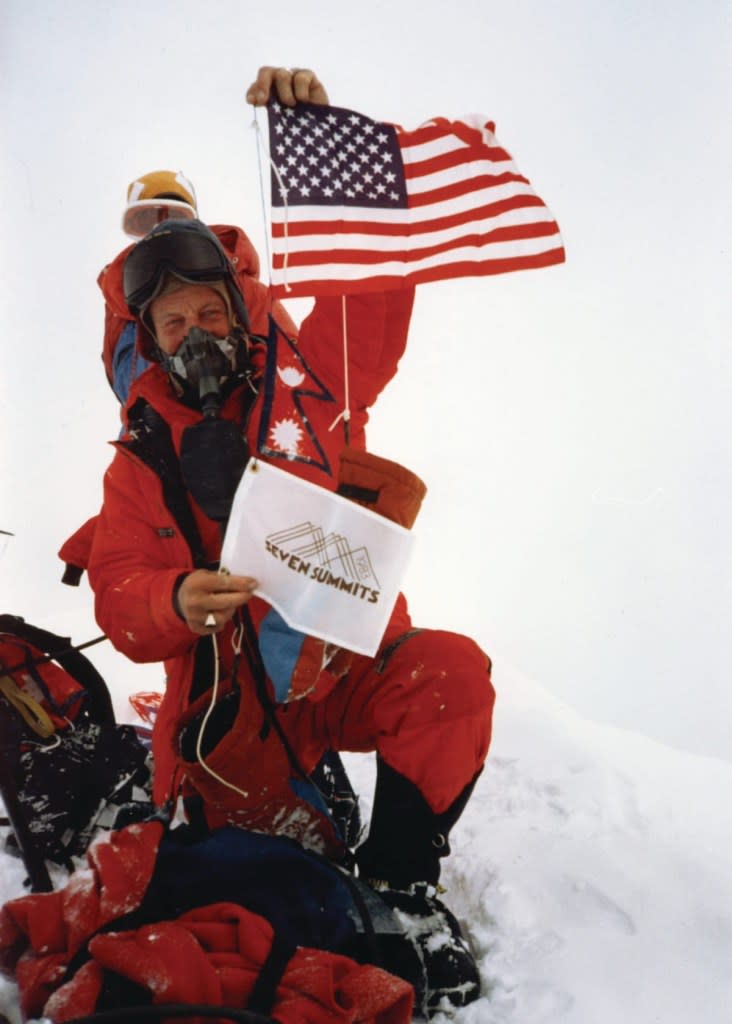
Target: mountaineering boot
{"points": [[450, 972], [400, 860]]}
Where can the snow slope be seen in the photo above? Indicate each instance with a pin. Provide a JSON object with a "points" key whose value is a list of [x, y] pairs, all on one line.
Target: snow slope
{"points": [[592, 871]]}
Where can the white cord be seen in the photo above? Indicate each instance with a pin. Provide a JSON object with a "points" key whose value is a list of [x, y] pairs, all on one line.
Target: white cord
{"points": [[236, 644], [261, 156], [345, 413]]}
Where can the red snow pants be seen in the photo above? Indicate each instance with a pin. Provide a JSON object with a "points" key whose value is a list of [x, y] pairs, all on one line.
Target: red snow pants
{"points": [[425, 703]]}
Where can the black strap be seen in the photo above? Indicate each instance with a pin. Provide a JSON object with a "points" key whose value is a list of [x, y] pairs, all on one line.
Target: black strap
{"points": [[158, 1013], [365, 495], [262, 998], [256, 666], [152, 442]]}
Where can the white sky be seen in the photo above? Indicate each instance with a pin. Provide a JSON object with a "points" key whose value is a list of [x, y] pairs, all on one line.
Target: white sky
{"points": [[572, 424]]}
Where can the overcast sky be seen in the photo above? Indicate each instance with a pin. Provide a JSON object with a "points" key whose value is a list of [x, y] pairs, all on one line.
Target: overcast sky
{"points": [[572, 424]]}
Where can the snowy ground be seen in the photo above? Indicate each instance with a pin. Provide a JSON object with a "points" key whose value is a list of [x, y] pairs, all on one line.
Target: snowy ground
{"points": [[592, 870]]}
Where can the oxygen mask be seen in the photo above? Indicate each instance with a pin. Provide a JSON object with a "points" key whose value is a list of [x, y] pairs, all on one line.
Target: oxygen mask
{"points": [[204, 368]]}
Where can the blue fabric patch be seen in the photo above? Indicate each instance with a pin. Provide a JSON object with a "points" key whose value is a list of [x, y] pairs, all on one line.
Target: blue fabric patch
{"points": [[310, 793], [280, 647], [127, 363]]}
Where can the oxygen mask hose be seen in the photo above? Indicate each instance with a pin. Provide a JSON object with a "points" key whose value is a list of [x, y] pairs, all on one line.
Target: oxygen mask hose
{"points": [[201, 365]]}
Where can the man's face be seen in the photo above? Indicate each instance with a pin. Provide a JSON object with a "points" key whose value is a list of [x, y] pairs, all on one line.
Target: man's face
{"points": [[191, 305]]}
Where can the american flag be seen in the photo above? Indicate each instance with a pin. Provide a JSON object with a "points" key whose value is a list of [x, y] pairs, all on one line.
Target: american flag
{"points": [[360, 205]]}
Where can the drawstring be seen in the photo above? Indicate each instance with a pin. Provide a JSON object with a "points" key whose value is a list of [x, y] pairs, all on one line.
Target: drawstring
{"points": [[236, 641]]}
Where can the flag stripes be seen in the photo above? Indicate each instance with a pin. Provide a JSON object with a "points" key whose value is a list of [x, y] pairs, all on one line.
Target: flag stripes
{"points": [[369, 206]]}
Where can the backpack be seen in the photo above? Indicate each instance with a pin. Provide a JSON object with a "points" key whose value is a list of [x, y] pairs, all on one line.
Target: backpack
{"points": [[66, 767], [228, 924]]}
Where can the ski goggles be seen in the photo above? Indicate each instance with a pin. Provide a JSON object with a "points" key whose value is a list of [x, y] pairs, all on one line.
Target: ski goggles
{"points": [[184, 248]]}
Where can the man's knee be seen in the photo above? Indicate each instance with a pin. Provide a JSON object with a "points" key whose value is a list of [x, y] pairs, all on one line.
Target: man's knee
{"points": [[446, 670]]}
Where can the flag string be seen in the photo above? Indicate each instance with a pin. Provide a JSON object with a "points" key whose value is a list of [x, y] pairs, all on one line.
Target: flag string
{"points": [[345, 413], [262, 156]]}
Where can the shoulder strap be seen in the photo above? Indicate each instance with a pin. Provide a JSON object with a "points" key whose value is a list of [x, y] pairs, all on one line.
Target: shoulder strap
{"points": [[152, 442]]}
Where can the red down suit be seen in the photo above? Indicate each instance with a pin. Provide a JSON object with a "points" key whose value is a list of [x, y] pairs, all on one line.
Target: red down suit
{"points": [[423, 702]]}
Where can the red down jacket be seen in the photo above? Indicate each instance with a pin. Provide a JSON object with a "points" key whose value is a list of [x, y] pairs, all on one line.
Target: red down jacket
{"points": [[138, 552], [211, 955]]}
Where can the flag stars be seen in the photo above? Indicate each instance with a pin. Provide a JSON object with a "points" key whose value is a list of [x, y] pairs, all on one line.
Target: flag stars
{"points": [[334, 157]]}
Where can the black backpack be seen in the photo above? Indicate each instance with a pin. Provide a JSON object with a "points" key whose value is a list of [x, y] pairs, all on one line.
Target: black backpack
{"points": [[308, 900], [66, 767]]}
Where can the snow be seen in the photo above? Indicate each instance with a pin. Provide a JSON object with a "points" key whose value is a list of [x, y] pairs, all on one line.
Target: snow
{"points": [[591, 872]]}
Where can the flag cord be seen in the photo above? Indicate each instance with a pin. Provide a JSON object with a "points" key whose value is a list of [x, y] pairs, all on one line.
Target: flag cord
{"points": [[261, 156], [345, 413]]}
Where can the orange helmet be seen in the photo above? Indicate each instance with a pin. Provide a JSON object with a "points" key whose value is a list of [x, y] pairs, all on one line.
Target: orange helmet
{"points": [[158, 196]]}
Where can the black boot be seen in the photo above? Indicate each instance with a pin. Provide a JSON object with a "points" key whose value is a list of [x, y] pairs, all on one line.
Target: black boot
{"points": [[401, 861]]}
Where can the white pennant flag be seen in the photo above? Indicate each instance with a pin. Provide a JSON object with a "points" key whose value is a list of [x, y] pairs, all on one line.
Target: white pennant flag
{"points": [[330, 567]]}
